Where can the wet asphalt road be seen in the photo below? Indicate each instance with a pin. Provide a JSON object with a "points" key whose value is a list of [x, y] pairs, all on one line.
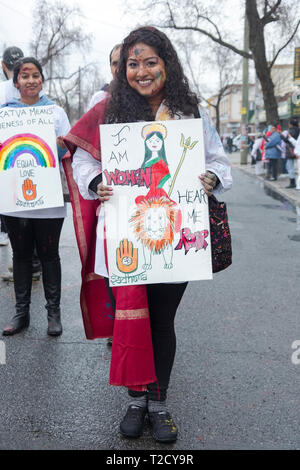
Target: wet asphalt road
{"points": [[233, 385]]}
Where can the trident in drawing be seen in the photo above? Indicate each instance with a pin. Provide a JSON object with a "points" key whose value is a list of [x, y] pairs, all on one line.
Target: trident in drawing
{"points": [[186, 146]]}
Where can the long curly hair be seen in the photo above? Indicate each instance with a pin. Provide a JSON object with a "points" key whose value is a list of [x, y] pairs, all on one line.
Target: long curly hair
{"points": [[126, 104]]}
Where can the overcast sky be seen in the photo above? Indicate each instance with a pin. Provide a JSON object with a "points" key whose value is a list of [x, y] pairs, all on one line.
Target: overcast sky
{"points": [[103, 19]]}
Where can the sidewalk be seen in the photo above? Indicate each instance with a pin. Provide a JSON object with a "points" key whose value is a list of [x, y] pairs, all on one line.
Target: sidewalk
{"points": [[276, 188]]}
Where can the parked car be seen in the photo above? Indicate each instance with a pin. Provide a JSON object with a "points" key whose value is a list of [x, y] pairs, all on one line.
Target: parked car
{"points": [[236, 144]]}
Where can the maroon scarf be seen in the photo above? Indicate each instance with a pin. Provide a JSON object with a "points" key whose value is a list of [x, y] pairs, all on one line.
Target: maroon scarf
{"points": [[132, 362]]}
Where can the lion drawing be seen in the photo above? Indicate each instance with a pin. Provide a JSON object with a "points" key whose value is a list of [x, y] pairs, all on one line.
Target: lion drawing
{"points": [[153, 224]]}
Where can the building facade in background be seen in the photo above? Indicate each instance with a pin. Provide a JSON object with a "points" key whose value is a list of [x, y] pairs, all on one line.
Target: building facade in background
{"points": [[231, 104], [230, 109], [283, 79]]}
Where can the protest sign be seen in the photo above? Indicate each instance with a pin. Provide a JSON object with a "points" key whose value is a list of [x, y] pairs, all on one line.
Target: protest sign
{"points": [[29, 167], [157, 221]]}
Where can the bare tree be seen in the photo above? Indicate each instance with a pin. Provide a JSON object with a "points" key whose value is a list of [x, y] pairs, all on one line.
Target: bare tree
{"points": [[206, 18], [220, 60], [227, 78], [56, 34], [73, 92]]}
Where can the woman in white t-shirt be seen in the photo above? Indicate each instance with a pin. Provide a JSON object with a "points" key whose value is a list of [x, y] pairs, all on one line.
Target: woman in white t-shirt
{"points": [[41, 227]]}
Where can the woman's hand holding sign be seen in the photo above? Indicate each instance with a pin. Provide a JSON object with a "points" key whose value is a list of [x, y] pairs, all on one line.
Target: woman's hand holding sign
{"points": [[209, 181], [104, 192], [60, 142]]}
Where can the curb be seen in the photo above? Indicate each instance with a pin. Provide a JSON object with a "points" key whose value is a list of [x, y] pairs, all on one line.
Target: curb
{"points": [[273, 189]]}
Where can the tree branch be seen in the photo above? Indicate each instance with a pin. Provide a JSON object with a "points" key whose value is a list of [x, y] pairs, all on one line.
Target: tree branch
{"points": [[268, 18], [218, 39], [211, 36], [72, 74], [204, 17], [284, 46]]}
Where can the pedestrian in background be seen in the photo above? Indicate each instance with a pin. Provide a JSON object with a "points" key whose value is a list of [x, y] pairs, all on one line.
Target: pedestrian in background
{"points": [[114, 58], [296, 144], [229, 144], [273, 152], [289, 150], [282, 169], [250, 147], [8, 91], [256, 154]]}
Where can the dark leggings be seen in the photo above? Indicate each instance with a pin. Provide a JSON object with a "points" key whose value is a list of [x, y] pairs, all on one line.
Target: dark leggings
{"points": [[163, 301], [25, 233]]}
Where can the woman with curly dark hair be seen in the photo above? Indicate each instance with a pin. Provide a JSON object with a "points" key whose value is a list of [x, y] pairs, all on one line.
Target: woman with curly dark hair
{"points": [[150, 85], [128, 102]]}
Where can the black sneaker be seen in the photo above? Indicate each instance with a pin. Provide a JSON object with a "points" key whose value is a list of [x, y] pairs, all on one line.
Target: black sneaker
{"points": [[163, 426], [133, 422]]}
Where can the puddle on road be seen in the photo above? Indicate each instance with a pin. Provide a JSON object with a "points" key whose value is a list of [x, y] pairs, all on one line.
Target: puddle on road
{"points": [[286, 206], [270, 206]]}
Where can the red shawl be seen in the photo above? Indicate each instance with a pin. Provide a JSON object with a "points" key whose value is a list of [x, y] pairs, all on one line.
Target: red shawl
{"points": [[132, 362]]}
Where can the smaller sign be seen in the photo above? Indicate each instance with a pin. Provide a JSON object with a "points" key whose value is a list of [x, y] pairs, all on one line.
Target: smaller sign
{"points": [[297, 65], [243, 110], [29, 167]]}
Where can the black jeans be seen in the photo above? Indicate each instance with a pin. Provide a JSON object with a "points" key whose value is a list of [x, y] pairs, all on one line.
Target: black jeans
{"points": [[163, 301], [273, 168], [24, 235]]}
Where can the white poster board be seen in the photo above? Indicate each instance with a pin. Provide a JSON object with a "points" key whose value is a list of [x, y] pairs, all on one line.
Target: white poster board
{"points": [[157, 221], [29, 167]]}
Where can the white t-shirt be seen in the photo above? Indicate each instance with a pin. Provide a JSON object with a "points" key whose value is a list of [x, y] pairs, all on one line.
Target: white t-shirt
{"points": [[96, 98], [62, 127], [8, 91]]}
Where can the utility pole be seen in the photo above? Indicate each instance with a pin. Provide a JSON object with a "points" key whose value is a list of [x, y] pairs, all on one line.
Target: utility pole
{"points": [[256, 104], [245, 98]]}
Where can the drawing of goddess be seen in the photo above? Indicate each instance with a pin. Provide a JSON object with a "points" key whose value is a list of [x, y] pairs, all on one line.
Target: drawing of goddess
{"points": [[156, 217], [155, 157]]}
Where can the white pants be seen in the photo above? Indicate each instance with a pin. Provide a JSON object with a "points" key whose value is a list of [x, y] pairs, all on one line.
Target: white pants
{"points": [[290, 166], [259, 168], [298, 178]]}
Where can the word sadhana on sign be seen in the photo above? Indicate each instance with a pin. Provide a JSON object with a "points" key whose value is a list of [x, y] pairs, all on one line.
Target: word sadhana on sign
{"points": [[29, 168], [157, 221]]}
